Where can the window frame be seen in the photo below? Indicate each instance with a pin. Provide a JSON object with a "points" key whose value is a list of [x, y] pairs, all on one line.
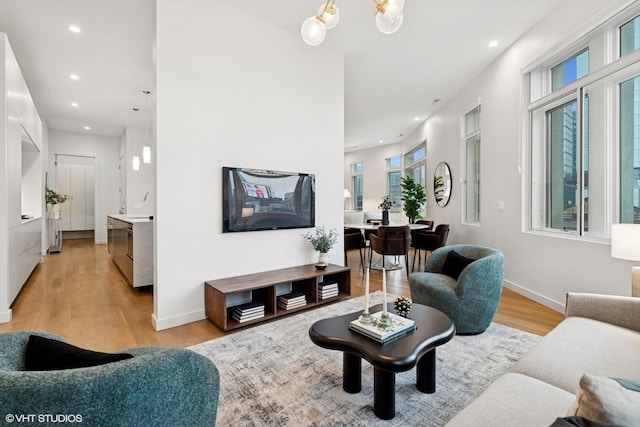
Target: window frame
{"points": [[397, 198], [421, 165], [465, 139], [354, 195], [609, 73]]}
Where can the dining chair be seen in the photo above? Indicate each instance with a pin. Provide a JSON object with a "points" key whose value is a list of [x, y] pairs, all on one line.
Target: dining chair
{"points": [[428, 241], [354, 239], [391, 240]]}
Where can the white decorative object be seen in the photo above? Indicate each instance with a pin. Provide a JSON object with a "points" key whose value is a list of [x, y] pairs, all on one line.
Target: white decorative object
{"points": [[625, 244], [55, 211]]}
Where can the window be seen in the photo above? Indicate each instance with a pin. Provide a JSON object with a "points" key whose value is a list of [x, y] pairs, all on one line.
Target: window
{"points": [[630, 36], [394, 175], [570, 70], [415, 166], [471, 150], [356, 185], [630, 151], [583, 148]]}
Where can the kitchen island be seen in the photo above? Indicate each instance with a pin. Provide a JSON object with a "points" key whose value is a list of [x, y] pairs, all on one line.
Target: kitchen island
{"points": [[130, 243]]}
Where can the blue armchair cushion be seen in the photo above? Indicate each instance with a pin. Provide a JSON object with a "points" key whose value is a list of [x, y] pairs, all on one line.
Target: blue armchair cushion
{"points": [[454, 264], [45, 354]]}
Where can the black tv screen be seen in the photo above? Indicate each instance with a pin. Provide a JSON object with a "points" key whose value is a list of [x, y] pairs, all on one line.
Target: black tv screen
{"points": [[256, 199]]}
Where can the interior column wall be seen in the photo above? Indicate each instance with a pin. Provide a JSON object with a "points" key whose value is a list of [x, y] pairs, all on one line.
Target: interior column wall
{"points": [[240, 93]]}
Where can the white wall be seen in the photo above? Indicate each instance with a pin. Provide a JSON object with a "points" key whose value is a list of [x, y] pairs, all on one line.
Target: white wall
{"points": [[139, 184], [239, 93], [541, 267], [106, 151], [374, 177]]}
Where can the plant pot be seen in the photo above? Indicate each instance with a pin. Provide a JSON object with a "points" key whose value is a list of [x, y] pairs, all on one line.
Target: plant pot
{"points": [[323, 258], [385, 217], [54, 213]]}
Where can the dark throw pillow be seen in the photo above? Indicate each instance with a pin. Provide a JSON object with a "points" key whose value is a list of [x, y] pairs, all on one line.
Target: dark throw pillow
{"points": [[455, 263], [45, 354]]}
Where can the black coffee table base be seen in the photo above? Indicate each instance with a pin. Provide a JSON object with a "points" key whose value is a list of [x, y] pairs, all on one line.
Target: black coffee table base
{"points": [[384, 382], [415, 349]]}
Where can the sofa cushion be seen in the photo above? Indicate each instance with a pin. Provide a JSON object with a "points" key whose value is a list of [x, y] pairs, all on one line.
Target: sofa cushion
{"points": [[579, 345], [515, 400], [454, 264], [45, 354], [607, 400]]}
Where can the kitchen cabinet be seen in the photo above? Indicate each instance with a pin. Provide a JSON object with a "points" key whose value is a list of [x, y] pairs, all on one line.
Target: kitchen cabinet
{"points": [[130, 244]]}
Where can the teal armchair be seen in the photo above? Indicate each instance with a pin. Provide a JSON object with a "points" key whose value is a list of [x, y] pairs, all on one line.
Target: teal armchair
{"points": [[157, 387], [471, 300]]}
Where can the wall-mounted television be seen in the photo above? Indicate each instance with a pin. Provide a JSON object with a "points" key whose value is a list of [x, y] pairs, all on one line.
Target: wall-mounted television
{"points": [[257, 199]]}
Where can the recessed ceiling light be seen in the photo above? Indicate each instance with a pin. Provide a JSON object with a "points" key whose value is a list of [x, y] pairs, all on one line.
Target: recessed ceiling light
{"points": [[74, 28], [381, 141], [74, 77], [417, 119], [75, 104], [493, 43], [87, 128]]}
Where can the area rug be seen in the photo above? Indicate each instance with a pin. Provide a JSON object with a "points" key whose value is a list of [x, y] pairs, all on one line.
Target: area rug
{"points": [[273, 375]]}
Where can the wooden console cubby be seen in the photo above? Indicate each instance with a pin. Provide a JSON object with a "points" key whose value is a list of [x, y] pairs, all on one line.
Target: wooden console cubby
{"points": [[265, 287]]}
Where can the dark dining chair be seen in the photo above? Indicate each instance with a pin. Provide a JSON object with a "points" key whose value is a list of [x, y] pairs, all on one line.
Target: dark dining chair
{"points": [[354, 239], [391, 240], [429, 241]]}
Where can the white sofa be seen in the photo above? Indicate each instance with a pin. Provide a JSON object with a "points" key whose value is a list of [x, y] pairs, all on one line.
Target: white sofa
{"points": [[600, 335]]}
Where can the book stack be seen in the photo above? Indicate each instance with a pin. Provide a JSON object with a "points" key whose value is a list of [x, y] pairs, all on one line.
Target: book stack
{"points": [[399, 327], [292, 300], [249, 311], [327, 289]]}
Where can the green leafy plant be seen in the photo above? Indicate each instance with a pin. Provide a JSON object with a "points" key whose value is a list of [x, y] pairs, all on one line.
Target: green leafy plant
{"points": [[321, 239], [386, 204], [438, 188], [414, 197], [53, 198]]}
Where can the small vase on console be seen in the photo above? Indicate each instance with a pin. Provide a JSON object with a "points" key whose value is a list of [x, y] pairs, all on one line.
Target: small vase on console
{"points": [[385, 217]]}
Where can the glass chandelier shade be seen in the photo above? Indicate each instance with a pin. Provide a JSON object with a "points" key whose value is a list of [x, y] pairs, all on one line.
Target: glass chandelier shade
{"points": [[389, 16], [313, 31]]}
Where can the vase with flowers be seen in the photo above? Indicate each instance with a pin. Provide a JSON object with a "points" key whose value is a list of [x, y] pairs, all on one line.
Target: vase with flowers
{"points": [[322, 241], [54, 199], [386, 204]]}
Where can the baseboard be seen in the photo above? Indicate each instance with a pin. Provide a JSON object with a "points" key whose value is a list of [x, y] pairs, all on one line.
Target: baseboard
{"points": [[547, 302], [5, 316], [179, 320]]}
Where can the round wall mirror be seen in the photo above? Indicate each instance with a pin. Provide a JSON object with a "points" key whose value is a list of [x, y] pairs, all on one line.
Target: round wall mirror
{"points": [[442, 184]]}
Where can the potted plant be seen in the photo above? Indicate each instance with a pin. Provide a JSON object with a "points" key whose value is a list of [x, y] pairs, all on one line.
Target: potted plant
{"points": [[386, 204], [414, 197], [54, 199], [322, 241]]}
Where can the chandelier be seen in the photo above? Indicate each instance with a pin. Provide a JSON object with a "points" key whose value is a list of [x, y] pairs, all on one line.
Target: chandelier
{"points": [[314, 29]]}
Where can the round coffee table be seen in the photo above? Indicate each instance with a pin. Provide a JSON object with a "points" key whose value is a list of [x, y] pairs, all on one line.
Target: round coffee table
{"points": [[417, 348]]}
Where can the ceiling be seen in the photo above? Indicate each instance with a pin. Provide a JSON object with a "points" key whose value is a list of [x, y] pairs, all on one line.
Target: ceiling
{"points": [[391, 81]]}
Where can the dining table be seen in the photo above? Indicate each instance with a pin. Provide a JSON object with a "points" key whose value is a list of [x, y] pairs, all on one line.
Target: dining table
{"points": [[391, 261]]}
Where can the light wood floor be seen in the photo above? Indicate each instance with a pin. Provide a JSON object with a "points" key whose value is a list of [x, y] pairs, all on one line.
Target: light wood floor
{"points": [[80, 295]]}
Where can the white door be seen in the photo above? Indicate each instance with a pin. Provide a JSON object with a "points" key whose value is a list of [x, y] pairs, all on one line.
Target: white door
{"points": [[75, 176]]}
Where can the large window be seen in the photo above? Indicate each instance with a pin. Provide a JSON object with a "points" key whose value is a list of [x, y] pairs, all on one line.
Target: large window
{"points": [[583, 152], [394, 175], [471, 150], [415, 166], [357, 170]]}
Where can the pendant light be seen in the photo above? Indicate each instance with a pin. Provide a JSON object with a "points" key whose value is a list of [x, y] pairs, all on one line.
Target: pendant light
{"points": [[146, 149], [389, 16], [135, 161]]}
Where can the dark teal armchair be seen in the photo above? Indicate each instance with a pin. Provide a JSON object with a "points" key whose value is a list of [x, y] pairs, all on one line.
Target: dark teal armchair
{"points": [[157, 387], [471, 300]]}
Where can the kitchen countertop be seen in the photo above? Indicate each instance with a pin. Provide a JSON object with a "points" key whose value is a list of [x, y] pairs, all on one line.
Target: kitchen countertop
{"points": [[131, 218]]}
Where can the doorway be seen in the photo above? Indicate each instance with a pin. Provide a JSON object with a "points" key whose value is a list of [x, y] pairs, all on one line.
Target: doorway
{"points": [[75, 176]]}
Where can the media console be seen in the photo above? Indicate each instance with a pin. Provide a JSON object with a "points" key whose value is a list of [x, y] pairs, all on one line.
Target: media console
{"points": [[222, 296]]}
